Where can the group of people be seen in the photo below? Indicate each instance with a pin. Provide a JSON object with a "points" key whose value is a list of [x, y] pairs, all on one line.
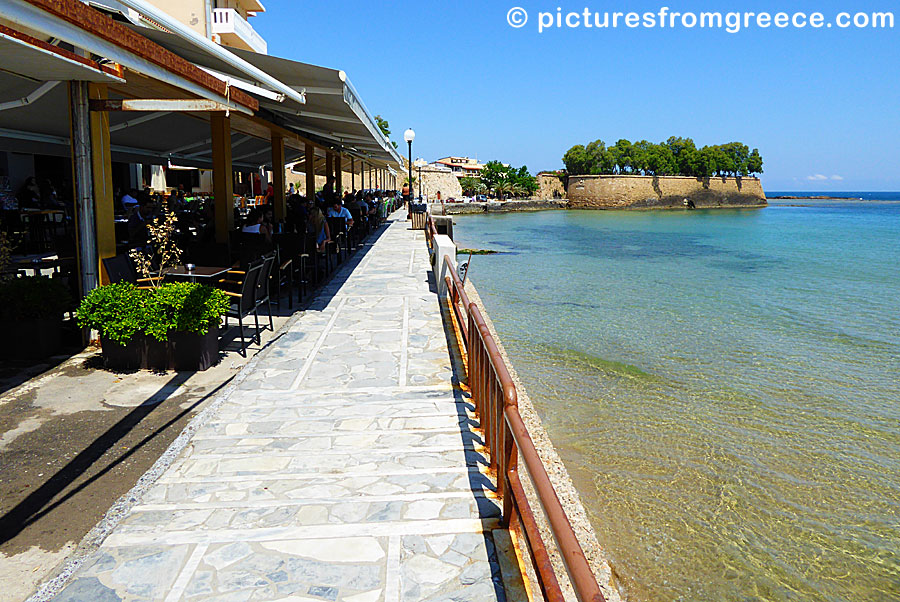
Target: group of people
{"points": [[309, 213], [305, 214]]}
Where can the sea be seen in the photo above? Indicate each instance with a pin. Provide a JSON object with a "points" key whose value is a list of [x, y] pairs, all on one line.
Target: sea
{"points": [[722, 385]]}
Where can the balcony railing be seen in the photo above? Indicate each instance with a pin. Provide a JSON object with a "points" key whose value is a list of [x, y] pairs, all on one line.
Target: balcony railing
{"points": [[227, 21]]}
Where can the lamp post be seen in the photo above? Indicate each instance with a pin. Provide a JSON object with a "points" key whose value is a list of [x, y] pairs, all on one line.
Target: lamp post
{"points": [[420, 163], [409, 135]]}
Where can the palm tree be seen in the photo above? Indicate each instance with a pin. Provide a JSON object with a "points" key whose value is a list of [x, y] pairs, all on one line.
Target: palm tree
{"points": [[502, 188]]}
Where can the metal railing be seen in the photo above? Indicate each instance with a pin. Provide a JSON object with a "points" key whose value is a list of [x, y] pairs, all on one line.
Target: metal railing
{"points": [[507, 440]]}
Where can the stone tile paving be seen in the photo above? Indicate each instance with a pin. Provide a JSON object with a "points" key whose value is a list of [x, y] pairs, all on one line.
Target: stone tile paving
{"points": [[344, 468]]}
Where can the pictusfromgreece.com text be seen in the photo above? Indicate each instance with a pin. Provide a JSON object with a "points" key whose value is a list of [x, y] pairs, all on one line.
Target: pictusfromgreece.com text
{"points": [[666, 18]]}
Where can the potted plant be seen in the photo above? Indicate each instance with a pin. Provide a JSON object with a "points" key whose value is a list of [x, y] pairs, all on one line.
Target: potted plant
{"points": [[118, 312], [173, 326], [187, 317], [31, 313]]}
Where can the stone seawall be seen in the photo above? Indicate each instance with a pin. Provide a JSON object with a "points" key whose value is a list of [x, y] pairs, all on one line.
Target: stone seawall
{"points": [[664, 192], [496, 207]]}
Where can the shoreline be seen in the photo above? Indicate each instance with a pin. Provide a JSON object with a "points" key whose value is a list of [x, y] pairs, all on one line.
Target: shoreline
{"points": [[561, 479], [528, 206]]}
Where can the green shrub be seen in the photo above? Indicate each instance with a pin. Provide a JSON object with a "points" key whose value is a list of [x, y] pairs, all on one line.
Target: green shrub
{"points": [[185, 307], [33, 298], [118, 311]]}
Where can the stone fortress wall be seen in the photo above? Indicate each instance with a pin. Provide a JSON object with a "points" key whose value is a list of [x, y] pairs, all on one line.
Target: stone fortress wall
{"points": [[664, 192], [550, 187], [434, 181]]}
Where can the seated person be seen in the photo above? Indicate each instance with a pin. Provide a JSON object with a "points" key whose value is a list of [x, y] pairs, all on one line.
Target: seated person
{"points": [[137, 223], [318, 225], [256, 224], [29, 195], [338, 210], [129, 201]]}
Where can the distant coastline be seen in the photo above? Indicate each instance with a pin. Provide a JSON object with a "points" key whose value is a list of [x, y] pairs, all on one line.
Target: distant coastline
{"points": [[838, 195], [813, 198]]}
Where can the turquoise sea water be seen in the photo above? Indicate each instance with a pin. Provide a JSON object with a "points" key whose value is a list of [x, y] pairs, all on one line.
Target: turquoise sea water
{"points": [[724, 387]]}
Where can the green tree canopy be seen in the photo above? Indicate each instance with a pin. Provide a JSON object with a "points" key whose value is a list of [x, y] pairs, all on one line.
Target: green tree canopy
{"points": [[385, 127], [471, 185], [507, 181], [677, 156]]}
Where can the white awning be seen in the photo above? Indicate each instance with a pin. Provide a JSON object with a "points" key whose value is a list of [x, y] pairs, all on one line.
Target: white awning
{"points": [[42, 62], [333, 115]]}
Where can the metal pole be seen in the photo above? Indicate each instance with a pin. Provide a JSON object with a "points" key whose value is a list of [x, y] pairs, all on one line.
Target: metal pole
{"points": [[84, 187], [420, 183], [410, 172]]}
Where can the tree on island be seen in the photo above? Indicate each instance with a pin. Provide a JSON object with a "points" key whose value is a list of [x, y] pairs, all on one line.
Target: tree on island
{"points": [[675, 157]]}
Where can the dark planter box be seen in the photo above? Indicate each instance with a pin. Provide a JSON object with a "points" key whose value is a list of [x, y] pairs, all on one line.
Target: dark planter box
{"points": [[123, 357], [183, 351], [194, 351], [31, 339]]}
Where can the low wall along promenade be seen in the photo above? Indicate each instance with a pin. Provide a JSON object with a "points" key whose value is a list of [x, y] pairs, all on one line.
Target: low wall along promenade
{"points": [[665, 192]]}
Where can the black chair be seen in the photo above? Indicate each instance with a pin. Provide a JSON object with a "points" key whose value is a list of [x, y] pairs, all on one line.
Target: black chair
{"points": [[243, 303], [338, 228], [291, 263], [262, 286], [320, 259], [120, 269]]}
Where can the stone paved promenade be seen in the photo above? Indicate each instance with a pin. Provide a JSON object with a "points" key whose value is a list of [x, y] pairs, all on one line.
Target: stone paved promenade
{"points": [[342, 468]]}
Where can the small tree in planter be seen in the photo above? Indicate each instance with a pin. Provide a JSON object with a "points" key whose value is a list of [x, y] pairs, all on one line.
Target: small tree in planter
{"points": [[31, 312], [163, 250]]}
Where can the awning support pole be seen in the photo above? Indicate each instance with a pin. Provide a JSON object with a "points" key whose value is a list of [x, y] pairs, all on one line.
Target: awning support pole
{"points": [[329, 166], [223, 180], [278, 180], [338, 176], [84, 186], [104, 198], [310, 160], [352, 173]]}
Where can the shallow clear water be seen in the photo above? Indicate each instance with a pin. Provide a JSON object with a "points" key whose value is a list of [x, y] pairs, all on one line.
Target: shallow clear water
{"points": [[724, 387]]}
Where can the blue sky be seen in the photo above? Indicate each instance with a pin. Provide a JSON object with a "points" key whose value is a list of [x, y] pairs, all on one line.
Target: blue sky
{"points": [[822, 106]]}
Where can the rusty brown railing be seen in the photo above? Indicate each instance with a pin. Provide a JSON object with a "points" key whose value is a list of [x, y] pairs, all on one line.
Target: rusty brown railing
{"points": [[430, 231], [506, 439]]}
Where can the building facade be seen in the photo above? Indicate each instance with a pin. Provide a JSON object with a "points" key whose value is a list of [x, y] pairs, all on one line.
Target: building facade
{"points": [[227, 22], [462, 167]]}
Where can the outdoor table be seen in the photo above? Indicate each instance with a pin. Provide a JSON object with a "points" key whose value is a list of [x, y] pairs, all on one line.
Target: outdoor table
{"points": [[200, 271]]}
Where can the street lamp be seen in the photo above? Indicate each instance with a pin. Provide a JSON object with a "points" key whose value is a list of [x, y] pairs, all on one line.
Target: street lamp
{"points": [[409, 135], [420, 163]]}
